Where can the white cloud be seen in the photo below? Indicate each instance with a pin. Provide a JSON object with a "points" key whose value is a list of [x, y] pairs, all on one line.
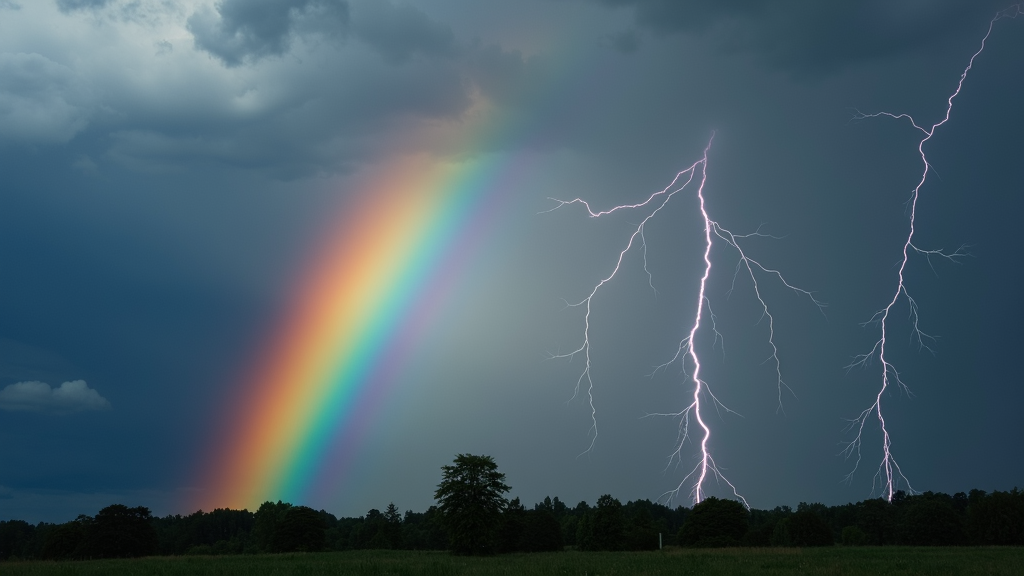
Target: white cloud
{"points": [[33, 396]]}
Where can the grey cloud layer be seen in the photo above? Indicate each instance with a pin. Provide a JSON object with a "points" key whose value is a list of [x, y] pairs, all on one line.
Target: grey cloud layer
{"points": [[811, 36], [400, 31], [288, 87], [41, 101], [69, 5], [74, 396], [238, 31]]}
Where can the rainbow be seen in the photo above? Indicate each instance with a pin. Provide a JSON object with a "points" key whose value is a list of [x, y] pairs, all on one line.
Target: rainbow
{"points": [[355, 318]]}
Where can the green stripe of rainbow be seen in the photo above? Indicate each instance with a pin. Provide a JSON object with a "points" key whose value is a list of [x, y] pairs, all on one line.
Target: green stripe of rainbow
{"points": [[355, 320]]}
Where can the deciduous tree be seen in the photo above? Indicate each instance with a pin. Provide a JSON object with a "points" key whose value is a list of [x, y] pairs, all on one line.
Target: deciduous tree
{"points": [[471, 499]]}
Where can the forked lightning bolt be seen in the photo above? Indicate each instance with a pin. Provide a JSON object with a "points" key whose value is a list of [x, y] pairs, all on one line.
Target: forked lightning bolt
{"points": [[889, 473], [686, 352]]}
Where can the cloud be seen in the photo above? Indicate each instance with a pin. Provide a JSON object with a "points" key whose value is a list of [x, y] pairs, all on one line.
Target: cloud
{"points": [[626, 42], [70, 5], [811, 37], [41, 101], [240, 31], [399, 31], [287, 88], [6, 493], [74, 396], [670, 16]]}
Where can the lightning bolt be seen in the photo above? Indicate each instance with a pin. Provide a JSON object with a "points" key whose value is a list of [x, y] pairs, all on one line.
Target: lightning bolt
{"points": [[889, 473], [686, 353]]}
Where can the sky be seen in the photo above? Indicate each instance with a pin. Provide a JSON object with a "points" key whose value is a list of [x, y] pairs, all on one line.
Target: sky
{"points": [[306, 249]]}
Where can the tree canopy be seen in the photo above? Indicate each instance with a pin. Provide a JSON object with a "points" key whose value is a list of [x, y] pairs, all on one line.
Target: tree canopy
{"points": [[715, 523], [471, 500]]}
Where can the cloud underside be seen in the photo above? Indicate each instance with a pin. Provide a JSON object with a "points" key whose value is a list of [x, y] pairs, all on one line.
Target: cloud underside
{"points": [[810, 37], [294, 88], [33, 396]]}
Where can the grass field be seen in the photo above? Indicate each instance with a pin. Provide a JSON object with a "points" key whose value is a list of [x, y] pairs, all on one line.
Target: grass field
{"points": [[737, 561]]}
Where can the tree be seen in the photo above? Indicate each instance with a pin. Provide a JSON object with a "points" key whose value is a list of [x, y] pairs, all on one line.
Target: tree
{"points": [[392, 529], [930, 520], [300, 529], [118, 531], [265, 523], [806, 528], [62, 540], [15, 538], [715, 523], [641, 532], [471, 499], [543, 532], [512, 528], [609, 524], [996, 518]]}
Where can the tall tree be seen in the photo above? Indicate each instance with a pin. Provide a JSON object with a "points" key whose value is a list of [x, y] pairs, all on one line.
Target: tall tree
{"points": [[118, 531], [609, 523], [715, 523], [300, 529], [471, 499], [392, 529]]}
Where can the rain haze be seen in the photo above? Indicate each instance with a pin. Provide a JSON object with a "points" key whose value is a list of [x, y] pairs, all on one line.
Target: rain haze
{"points": [[307, 249]]}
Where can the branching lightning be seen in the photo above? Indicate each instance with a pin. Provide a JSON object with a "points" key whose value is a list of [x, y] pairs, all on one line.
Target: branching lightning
{"points": [[889, 473], [686, 353]]}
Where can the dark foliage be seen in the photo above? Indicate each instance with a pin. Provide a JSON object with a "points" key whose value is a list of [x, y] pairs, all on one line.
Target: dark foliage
{"points": [[543, 532], [266, 520], [997, 518], [928, 519], [762, 525], [117, 531], [854, 536], [424, 530], [471, 499], [641, 530], [606, 525], [300, 529], [877, 519], [512, 527], [221, 531], [715, 523], [17, 539], [60, 542], [803, 528]]}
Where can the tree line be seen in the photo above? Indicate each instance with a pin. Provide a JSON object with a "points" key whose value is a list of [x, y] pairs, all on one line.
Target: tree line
{"points": [[472, 516]]}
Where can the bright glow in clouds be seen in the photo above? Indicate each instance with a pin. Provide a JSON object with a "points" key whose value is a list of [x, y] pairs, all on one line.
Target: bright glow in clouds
{"points": [[889, 474], [687, 348]]}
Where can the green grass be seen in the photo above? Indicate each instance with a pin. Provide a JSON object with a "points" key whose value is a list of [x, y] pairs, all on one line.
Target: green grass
{"points": [[771, 561]]}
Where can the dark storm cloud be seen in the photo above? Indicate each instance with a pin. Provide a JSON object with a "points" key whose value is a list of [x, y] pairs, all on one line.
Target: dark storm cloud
{"points": [[70, 5], [499, 73], [240, 31], [325, 109], [74, 396], [810, 37], [681, 15], [41, 101], [328, 107], [398, 31], [626, 42]]}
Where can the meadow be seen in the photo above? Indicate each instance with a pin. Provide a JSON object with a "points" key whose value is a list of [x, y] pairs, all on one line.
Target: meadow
{"points": [[834, 561]]}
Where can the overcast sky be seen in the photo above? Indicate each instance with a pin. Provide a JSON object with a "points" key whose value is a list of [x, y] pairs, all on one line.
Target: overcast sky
{"points": [[167, 168]]}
